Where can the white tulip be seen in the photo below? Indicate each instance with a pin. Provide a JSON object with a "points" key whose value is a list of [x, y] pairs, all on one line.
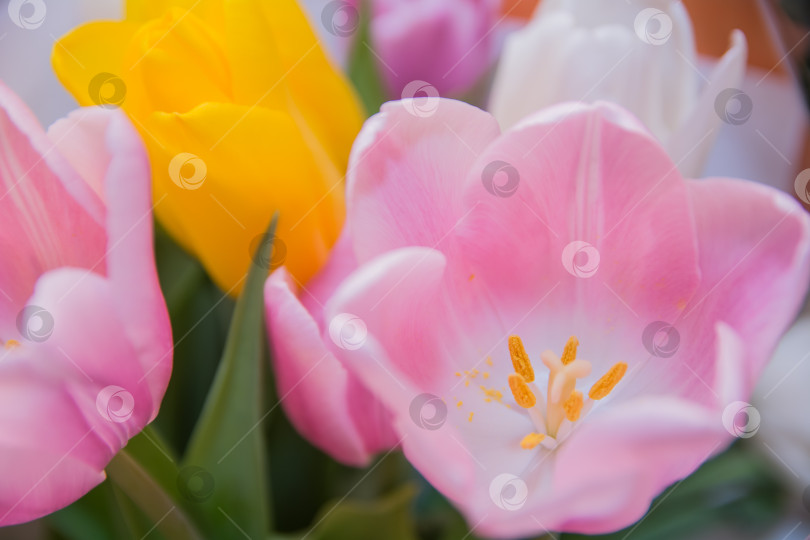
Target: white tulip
{"points": [[783, 401], [640, 55]]}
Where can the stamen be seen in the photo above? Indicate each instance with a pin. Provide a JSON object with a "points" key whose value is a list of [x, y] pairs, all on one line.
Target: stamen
{"points": [[12, 344], [471, 416], [570, 351], [531, 440], [608, 382], [573, 406], [520, 389], [459, 404], [520, 360]]}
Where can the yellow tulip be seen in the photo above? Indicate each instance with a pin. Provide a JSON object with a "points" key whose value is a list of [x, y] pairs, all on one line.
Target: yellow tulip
{"points": [[242, 113]]}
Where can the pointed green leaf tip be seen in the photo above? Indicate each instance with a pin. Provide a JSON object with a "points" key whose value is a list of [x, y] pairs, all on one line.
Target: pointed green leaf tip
{"points": [[224, 473]]}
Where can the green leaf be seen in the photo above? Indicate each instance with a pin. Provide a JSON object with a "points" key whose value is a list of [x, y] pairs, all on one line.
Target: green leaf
{"points": [[225, 464], [160, 510], [200, 314], [388, 517], [96, 515], [363, 70]]}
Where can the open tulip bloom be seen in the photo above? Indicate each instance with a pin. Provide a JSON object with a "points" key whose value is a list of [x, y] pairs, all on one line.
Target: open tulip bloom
{"points": [[86, 347], [554, 319]]}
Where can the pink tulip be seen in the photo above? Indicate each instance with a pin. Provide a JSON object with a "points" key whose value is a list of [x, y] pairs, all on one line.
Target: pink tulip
{"points": [[86, 344], [327, 405], [448, 44], [479, 255]]}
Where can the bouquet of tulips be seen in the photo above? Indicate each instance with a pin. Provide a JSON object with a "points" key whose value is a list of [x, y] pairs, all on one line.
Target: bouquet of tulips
{"points": [[403, 269]]}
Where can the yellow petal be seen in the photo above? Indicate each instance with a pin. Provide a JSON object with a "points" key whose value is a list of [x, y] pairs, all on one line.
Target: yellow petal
{"points": [[262, 164], [319, 92], [87, 53], [210, 11], [177, 64], [257, 71]]}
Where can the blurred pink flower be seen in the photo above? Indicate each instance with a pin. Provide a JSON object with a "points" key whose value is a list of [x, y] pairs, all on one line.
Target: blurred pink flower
{"points": [[86, 344], [447, 43], [573, 223], [444, 44]]}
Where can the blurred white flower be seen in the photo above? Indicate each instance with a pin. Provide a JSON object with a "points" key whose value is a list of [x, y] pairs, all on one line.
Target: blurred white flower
{"points": [[640, 55], [783, 400], [25, 49]]}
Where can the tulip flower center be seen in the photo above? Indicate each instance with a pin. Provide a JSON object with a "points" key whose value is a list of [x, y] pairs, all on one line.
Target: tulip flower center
{"points": [[563, 400]]}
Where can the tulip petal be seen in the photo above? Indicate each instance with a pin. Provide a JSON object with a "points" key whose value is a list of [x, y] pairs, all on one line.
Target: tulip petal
{"points": [[316, 391], [401, 285], [753, 243], [603, 241], [41, 225], [58, 382], [77, 57], [143, 10], [131, 255], [77, 137], [275, 167], [644, 445], [180, 52], [702, 125], [407, 169]]}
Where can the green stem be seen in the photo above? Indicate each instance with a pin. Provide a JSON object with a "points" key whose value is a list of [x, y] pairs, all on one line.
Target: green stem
{"points": [[171, 520]]}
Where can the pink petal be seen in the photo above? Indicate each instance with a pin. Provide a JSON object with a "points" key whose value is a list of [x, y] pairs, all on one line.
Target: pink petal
{"points": [[393, 296], [406, 170], [25, 121], [753, 246], [324, 402], [69, 431], [130, 253], [76, 137], [42, 226], [320, 288], [643, 446]]}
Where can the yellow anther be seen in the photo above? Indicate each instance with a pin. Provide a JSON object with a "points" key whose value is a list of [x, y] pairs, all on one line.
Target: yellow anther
{"points": [[608, 382], [489, 360], [520, 389], [531, 440], [12, 344], [459, 404], [520, 360], [471, 415], [573, 405], [474, 373], [467, 382], [486, 374], [458, 374], [570, 351]]}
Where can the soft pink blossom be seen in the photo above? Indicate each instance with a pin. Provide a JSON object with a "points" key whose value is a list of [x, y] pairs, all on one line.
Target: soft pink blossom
{"points": [[573, 223], [447, 43], [86, 344], [327, 404]]}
